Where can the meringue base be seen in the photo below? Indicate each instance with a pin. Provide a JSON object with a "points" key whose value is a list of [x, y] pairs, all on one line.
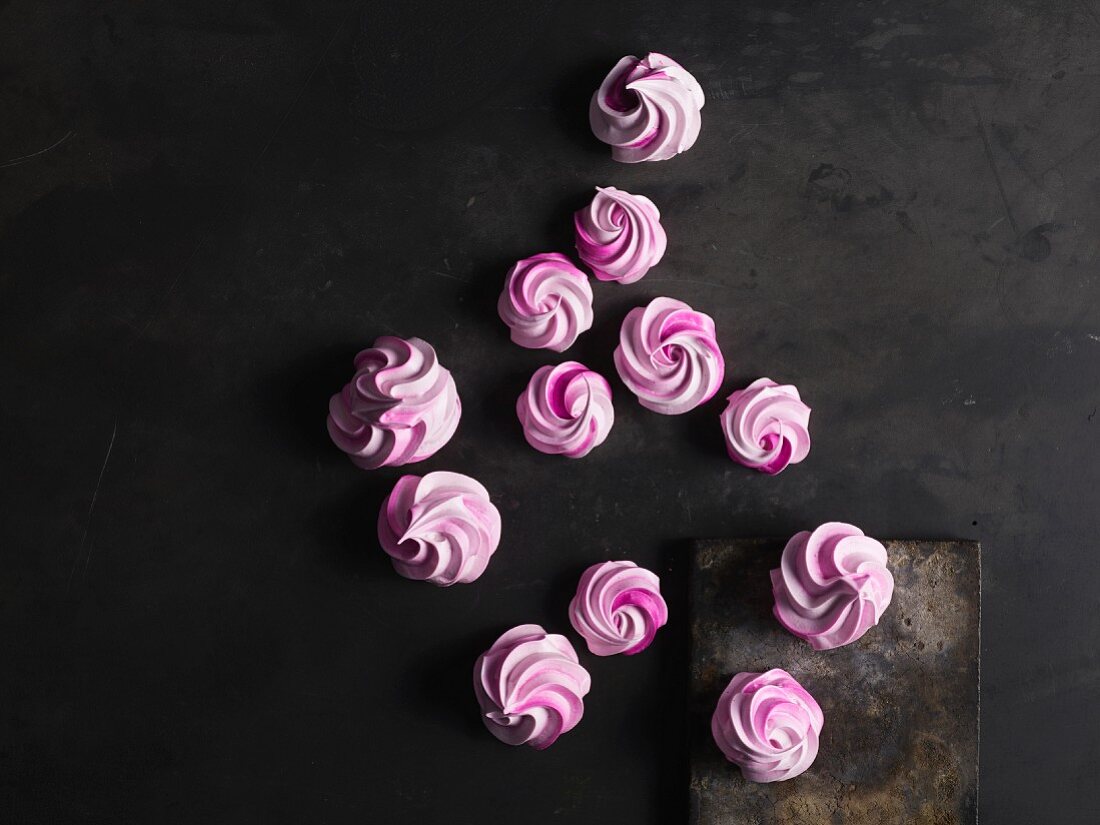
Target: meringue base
{"points": [[900, 743]]}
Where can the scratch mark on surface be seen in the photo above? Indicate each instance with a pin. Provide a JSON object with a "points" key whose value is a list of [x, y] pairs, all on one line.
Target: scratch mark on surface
{"points": [[39, 153], [447, 275], [993, 167], [748, 128], [686, 281], [91, 509], [1071, 154]]}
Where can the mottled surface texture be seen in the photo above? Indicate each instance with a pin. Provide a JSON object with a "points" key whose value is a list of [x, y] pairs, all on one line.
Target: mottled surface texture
{"points": [[206, 208], [900, 741]]}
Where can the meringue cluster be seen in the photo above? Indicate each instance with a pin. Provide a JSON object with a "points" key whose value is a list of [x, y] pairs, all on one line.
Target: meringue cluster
{"points": [[831, 587], [401, 406], [530, 684]]}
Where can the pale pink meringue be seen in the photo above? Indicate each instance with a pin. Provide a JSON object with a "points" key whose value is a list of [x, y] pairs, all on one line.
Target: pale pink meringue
{"points": [[832, 585], [440, 528], [618, 608], [530, 686], [619, 235], [566, 410], [647, 109], [668, 356], [546, 302], [400, 407], [766, 426], [768, 725]]}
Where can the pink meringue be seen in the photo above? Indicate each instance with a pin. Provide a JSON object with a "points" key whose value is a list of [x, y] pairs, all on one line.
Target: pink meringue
{"points": [[400, 407], [566, 410], [832, 585], [546, 302], [768, 725], [647, 109], [619, 235], [618, 608], [766, 426], [668, 356], [441, 528], [530, 686]]}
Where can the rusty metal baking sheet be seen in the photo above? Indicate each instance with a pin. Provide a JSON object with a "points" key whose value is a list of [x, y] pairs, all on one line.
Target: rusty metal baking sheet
{"points": [[900, 742]]}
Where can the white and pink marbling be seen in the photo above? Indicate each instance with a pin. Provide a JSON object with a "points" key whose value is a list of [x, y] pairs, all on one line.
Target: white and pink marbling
{"points": [[440, 528], [668, 356], [401, 406], [546, 302], [619, 235], [566, 410], [766, 426], [647, 109], [832, 585], [768, 725], [618, 608], [530, 686]]}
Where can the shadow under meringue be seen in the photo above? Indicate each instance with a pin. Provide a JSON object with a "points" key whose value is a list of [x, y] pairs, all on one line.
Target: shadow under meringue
{"points": [[344, 525], [441, 683], [295, 396], [572, 94]]}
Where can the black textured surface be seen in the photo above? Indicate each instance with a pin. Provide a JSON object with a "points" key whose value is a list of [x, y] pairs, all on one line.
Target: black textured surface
{"points": [[900, 741], [203, 214]]}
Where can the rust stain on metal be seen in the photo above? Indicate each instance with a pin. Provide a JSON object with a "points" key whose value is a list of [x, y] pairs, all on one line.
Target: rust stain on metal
{"points": [[900, 742]]}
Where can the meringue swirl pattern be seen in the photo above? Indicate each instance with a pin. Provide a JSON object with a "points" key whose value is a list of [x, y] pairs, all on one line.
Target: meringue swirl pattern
{"points": [[530, 686], [768, 725], [546, 302], [766, 426], [566, 410], [440, 528], [647, 109], [668, 356], [619, 235], [618, 608], [401, 406], [832, 585]]}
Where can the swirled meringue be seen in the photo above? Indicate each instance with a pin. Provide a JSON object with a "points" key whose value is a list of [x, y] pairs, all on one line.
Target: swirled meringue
{"points": [[441, 528], [768, 725], [566, 410], [668, 356], [619, 235], [647, 109], [401, 406], [618, 608], [530, 687], [546, 302], [766, 426], [832, 585]]}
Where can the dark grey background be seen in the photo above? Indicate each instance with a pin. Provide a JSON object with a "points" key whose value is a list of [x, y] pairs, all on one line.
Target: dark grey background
{"points": [[208, 207]]}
